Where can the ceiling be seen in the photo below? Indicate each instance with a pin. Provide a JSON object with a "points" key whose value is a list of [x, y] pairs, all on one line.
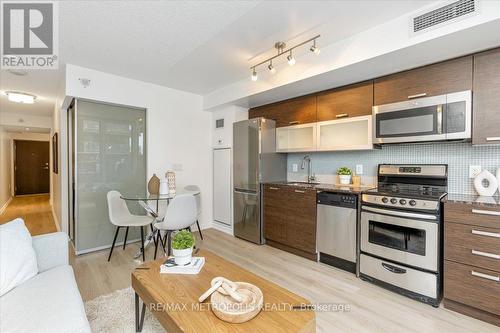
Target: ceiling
{"points": [[196, 46], [21, 129]]}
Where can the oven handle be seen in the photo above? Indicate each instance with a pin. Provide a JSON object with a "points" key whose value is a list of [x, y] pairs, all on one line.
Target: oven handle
{"points": [[400, 214], [393, 269]]}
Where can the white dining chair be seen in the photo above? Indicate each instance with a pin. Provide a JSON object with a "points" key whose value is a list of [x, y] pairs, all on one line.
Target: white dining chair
{"points": [[120, 216], [181, 214], [196, 188]]}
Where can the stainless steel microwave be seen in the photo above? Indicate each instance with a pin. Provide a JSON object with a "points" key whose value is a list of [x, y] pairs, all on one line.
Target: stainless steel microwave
{"points": [[436, 118]]}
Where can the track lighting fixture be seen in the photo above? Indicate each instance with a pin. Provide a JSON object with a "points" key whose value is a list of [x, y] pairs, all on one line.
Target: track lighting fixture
{"points": [[254, 75], [281, 47], [291, 59]]}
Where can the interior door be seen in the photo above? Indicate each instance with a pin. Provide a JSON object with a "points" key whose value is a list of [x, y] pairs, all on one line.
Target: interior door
{"points": [[222, 185], [31, 167]]}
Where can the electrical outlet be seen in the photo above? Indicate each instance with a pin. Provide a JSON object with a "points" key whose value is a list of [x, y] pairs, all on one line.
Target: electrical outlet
{"points": [[359, 169], [295, 167], [474, 170]]}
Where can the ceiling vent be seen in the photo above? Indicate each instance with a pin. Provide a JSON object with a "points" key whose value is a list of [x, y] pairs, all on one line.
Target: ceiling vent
{"points": [[455, 10]]}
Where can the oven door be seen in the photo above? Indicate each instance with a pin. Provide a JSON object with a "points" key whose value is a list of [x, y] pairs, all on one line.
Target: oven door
{"points": [[411, 239], [445, 117]]}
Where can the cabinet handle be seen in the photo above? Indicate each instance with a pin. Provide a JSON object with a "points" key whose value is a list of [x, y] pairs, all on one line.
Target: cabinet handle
{"points": [[300, 191], [485, 254], [295, 122], [485, 212], [486, 276], [493, 138], [417, 95], [273, 188], [342, 115], [485, 233]]}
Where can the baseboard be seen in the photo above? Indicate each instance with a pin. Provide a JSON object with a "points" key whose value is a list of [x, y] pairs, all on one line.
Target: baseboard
{"points": [[104, 247], [5, 205], [222, 227], [54, 216]]}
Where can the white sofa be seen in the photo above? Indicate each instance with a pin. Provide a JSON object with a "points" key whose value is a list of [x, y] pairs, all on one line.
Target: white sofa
{"points": [[50, 301]]}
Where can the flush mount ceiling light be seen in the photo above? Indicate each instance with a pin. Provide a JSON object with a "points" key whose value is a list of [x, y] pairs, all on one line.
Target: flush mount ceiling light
{"points": [[281, 47], [20, 97]]}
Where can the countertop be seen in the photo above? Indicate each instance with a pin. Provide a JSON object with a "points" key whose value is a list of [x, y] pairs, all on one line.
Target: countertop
{"points": [[326, 187], [473, 199]]}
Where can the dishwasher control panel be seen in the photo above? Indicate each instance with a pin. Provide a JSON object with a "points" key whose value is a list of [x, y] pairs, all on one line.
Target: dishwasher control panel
{"points": [[337, 199]]}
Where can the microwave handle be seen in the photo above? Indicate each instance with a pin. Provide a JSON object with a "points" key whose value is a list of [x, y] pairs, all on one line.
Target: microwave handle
{"points": [[439, 114]]}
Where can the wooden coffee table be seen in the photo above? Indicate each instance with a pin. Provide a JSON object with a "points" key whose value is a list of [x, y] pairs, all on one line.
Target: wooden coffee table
{"points": [[173, 300]]}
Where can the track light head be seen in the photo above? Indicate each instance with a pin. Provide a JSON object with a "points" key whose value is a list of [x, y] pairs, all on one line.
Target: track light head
{"points": [[254, 75], [271, 67], [314, 49], [291, 59]]}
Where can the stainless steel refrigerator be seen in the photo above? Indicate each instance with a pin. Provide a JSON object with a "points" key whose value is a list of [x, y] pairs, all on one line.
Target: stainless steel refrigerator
{"points": [[255, 162]]}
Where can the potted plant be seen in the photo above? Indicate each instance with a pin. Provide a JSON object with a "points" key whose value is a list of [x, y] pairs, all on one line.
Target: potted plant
{"points": [[344, 175], [182, 247]]}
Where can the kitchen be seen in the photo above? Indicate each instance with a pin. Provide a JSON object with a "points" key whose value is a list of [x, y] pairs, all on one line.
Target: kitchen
{"points": [[410, 221]]}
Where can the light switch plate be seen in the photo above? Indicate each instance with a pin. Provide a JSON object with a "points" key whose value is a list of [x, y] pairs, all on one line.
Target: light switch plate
{"points": [[295, 167], [359, 169], [474, 170]]}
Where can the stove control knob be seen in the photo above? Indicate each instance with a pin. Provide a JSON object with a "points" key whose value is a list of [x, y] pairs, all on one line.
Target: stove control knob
{"points": [[394, 201], [402, 201], [385, 200], [413, 203]]}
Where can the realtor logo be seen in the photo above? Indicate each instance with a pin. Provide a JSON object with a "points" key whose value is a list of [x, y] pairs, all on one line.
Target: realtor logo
{"points": [[29, 37]]}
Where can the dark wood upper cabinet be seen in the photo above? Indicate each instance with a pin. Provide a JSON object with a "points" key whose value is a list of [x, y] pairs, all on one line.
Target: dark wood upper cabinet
{"points": [[349, 101], [486, 101], [301, 110], [432, 80]]}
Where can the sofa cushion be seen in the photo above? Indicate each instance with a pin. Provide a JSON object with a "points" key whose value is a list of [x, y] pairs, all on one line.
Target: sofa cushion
{"points": [[18, 261], [49, 302]]}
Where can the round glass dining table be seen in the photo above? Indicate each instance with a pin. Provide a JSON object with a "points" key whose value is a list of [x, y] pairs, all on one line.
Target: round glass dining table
{"points": [[145, 200]]}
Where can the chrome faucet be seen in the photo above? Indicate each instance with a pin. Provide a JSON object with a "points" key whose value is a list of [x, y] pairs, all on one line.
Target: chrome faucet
{"points": [[310, 177]]}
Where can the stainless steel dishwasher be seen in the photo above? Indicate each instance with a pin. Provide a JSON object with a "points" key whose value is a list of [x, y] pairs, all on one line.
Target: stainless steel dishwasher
{"points": [[336, 231]]}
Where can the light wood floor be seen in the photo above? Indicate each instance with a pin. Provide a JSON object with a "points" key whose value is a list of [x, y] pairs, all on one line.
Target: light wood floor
{"points": [[372, 309], [34, 210]]}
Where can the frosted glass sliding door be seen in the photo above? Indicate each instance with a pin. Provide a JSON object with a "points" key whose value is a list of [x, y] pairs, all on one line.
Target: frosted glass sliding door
{"points": [[110, 154]]}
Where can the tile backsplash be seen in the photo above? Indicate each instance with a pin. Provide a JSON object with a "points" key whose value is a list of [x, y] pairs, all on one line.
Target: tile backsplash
{"points": [[458, 156]]}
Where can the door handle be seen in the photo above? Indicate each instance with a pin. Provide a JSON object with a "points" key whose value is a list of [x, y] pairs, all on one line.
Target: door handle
{"points": [[417, 95], [486, 276], [485, 233], [485, 254], [493, 138], [393, 269], [295, 122], [273, 188], [300, 191], [485, 212], [342, 115], [439, 115]]}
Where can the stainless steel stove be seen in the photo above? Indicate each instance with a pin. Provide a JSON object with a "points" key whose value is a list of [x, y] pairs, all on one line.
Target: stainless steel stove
{"points": [[401, 230]]}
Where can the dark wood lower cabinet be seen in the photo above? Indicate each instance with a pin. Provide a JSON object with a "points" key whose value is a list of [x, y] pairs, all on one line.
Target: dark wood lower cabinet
{"points": [[471, 261], [290, 219]]}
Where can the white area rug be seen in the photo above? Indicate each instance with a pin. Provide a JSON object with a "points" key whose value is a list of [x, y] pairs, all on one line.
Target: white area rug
{"points": [[115, 312]]}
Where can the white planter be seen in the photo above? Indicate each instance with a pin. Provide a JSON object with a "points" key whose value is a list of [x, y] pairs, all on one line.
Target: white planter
{"points": [[183, 257], [345, 179]]}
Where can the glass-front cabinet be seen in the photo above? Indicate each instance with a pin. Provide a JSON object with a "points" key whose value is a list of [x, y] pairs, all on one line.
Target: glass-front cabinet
{"points": [[345, 134], [296, 138]]}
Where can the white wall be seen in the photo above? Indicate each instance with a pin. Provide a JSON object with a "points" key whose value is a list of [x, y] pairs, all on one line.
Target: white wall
{"points": [[5, 169], [178, 134]]}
